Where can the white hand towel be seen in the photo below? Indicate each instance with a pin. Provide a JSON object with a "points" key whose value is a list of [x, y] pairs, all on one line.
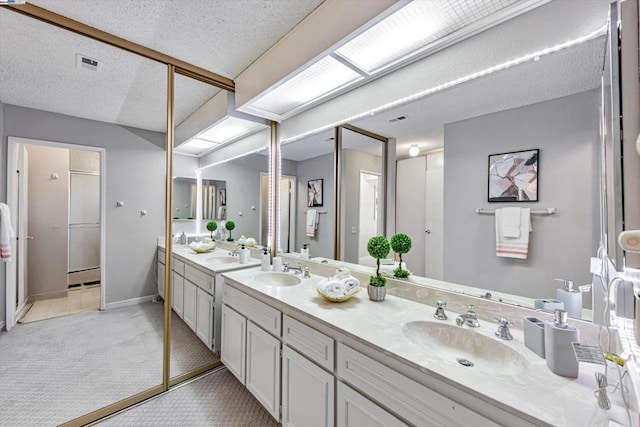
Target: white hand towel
{"points": [[510, 247], [312, 222], [350, 284], [6, 233], [511, 222], [332, 288]]}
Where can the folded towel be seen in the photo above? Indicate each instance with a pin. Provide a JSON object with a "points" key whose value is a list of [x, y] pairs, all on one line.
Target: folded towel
{"points": [[511, 222], [342, 273], [350, 285], [6, 233], [331, 287], [312, 222], [387, 261], [513, 247]]}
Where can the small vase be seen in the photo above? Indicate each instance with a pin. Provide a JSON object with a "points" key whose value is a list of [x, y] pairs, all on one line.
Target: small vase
{"points": [[376, 293]]}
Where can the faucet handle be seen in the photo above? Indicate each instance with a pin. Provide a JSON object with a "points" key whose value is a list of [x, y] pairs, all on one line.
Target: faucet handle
{"points": [[503, 331], [470, 309], [441, 304], [503, 321], [305, 273], [440, 314], [285, 267]]}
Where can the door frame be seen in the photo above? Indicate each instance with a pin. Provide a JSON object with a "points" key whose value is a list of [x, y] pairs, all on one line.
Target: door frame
{"points": [[13, 144], [380, 211]]}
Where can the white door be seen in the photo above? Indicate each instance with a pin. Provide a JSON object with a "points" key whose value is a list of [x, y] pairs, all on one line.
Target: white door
{"points": [[233, 346], [370, 223], [204, 317], [190, 293], [410, 209], [263, 368], [23, 227], [177, 294], [287, 238], [434, 217], [355, 410], [307, 392]]}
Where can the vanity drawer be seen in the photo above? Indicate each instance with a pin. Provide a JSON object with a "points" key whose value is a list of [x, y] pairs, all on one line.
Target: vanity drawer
{"points": [[199, 278], [261, 314], [418, 404], [311, 343], [178, 266]]}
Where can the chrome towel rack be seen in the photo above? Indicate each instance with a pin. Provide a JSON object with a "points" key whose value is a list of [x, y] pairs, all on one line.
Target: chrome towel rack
{"points": [[546, 211], [320, 212]]}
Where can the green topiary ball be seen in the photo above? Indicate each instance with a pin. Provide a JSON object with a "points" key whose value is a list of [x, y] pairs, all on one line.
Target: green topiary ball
{"points": [[400, 243], [378, 247], [230, 225], [212, 226]]}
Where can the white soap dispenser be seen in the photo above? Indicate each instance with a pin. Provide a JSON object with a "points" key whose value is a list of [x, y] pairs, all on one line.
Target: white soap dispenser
{"points": [[558, 351], [571, 297], [265, 261], [304, 252], [183, 238], [244, 255]]}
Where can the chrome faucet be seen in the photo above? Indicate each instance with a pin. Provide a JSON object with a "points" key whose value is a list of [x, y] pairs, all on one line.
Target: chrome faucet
{"points": [[503, 331], [296, 270], [468, 319], [440, 314], [234, 252]]}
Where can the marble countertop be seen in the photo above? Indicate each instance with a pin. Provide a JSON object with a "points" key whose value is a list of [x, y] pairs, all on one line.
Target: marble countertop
{"points": [[537, 392], [207, 259]]}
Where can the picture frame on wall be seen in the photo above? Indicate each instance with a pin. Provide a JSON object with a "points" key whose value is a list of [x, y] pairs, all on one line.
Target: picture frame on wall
{"points": [[513, 177], [222, 197], [314, 192]]}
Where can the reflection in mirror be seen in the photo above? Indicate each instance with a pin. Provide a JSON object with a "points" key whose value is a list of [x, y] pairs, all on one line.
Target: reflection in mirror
{"points": [[362, 195], [185, 192], [86, 135], [551, 104], [308, 165]]}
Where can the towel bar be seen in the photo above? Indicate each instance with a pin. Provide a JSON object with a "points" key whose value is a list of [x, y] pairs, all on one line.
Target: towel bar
{"points": [[546, 211], [320, 212]]}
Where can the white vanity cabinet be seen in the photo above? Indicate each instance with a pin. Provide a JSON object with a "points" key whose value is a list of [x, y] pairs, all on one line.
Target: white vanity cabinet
{"points": [[177, 294], [263, 368], [190, 293], [205, 317], [355, 410], [234, 342]]}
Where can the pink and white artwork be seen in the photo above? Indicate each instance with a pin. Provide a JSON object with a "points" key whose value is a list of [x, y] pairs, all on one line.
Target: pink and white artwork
{"points": [[513, 177]]}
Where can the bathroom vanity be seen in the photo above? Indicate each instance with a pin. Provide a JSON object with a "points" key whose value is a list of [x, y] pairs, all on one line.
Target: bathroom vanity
{"points": [[316, 363], [196, 285]]}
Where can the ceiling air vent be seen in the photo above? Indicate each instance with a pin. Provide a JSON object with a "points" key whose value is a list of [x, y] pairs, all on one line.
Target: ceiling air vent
{"points": [[84, 62], [397, 119]]}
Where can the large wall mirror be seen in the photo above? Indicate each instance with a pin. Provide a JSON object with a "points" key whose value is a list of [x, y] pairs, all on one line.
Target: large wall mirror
{"points": [[454, 114], [90, 145]]}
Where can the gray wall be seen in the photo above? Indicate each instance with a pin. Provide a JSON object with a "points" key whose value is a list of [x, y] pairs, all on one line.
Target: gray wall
{"points": [[323, 243], [243, 191], [566, 132], [353, 162], [135, 174], [48, 198]]}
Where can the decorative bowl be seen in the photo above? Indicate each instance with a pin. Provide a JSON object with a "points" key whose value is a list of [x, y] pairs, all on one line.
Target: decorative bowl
{"points": [[342, 298], [201, 247]]}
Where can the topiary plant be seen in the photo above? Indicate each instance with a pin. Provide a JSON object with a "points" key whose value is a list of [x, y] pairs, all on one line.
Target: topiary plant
{"points": [[229, 226], [378, 247], [212, 226], [401, 244]]}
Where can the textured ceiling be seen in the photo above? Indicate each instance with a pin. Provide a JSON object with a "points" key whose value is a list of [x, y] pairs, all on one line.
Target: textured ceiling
{"points": [[38, 61], [223, 36]]}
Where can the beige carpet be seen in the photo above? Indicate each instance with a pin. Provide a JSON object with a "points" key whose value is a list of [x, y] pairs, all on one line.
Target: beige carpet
{"points": [[77, 300], [216, 399]]}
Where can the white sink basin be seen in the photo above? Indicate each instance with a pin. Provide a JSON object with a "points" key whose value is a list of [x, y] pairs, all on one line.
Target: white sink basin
{"points": [[458, 345], [274, 278], [221, 260]]}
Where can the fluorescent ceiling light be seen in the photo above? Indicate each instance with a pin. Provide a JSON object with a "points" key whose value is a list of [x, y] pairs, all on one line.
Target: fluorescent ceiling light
{"points": [[195, 146], [413, 27], [318, 80], [228, 129]]}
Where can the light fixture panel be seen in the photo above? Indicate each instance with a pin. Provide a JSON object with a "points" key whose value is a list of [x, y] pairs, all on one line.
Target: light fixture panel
{"points": [[229, 129], [413, 27], [195, 146], [318, 80]]}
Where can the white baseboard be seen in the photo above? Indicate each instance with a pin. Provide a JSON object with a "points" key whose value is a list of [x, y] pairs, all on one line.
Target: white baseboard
{"points": [[127, 302]]}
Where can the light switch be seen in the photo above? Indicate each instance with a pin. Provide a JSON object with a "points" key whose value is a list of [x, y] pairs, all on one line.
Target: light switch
{"points": [[143, 212], [119, 204], [354, 230], [55, 176]]}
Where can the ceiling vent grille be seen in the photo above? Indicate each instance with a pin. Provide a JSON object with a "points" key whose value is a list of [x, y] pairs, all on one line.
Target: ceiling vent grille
{"points": [[86, 63]]}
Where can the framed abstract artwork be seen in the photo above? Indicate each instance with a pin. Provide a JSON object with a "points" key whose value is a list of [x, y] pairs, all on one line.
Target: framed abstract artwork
{"points": [[513, 177], [314, 192]]}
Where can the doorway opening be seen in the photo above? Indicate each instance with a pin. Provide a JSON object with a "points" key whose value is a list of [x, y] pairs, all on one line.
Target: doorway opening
{"points": [[369, 214], [56, 196]]}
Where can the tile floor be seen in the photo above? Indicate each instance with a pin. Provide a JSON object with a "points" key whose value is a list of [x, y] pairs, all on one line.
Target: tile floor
{"points": [[78, 300]]}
